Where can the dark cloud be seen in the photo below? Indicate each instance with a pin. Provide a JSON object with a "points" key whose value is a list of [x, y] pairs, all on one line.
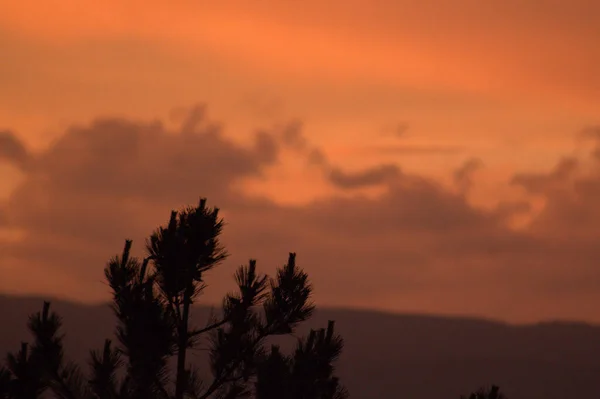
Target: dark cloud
{"points": [[432, 246], [369, 177], [540, 183], [267, 148], [13, 150], [291, 136], [263, 105], [419, 246], [413, 149], [3, 215], [591, 132], [398, 130], [113, 157], [412, 204], [507, 209], [317, 157], [93, 186], [463, 175]]}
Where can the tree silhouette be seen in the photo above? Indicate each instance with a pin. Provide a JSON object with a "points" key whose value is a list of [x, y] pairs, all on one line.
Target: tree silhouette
{"points": [[152, 301], [482, 393]]}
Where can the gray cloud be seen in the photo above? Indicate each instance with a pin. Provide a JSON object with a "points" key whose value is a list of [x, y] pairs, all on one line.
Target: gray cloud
{"points": [[3, 215], [369, 177], [590, 132], [430, 245], [291, 136], [399, 130], [419, 246], [413, 149], [541, 183], [98, 184], [13, 150], [463, 175]]}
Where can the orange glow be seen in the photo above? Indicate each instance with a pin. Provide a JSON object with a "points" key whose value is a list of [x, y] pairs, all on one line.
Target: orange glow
{"points": [[393, 99]]}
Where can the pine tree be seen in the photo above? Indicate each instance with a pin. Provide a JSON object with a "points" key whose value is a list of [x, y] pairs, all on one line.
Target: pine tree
{"points": [[152, 301], [482, 393]]}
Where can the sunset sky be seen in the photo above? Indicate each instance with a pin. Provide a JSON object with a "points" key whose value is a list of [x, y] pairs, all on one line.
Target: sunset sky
{"points": [[418, 155]]}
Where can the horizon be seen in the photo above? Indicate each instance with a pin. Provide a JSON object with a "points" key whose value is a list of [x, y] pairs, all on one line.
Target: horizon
{"points": [[402, 314]]}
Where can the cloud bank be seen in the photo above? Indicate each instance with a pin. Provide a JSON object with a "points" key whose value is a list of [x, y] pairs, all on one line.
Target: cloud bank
{"points": [[419, 246]]}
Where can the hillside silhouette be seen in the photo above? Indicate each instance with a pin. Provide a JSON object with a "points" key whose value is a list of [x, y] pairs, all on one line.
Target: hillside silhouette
{"points": [[393, 356]]}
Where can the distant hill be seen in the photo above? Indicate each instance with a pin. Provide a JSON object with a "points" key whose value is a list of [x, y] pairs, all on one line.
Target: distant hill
{"points": [[396, 356]]}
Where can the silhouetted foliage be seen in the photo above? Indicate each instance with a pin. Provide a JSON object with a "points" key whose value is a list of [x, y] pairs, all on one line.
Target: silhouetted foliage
{"points": [[311, 362], [152, 301], [104, 365], [482, 393]]}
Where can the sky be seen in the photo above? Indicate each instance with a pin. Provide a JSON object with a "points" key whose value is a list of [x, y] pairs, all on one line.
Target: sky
{"points": [[419, 156]]}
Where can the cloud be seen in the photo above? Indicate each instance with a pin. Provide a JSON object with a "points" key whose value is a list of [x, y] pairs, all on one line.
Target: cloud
{"points": [[422, 243], [463, 175], [291, 136], [399, 130], [3, 215], [95, 186], [420, 246], [415, 149], [13, 150], [591, 132], [541, 183], [369, 177]]}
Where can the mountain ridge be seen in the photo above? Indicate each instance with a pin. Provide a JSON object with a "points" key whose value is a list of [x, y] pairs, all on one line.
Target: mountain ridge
{"points": [[390, 355]]}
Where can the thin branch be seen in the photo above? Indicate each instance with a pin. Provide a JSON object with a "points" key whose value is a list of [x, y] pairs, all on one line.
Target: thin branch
{"points": [[208, 328], [161, 388], [225, 376]]}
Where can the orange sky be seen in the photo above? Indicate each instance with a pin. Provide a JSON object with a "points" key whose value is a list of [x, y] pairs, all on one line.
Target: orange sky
{"points": [[415, 113]]}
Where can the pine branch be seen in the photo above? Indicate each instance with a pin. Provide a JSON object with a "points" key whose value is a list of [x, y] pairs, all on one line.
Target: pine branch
{"points": [[210, 327]]}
